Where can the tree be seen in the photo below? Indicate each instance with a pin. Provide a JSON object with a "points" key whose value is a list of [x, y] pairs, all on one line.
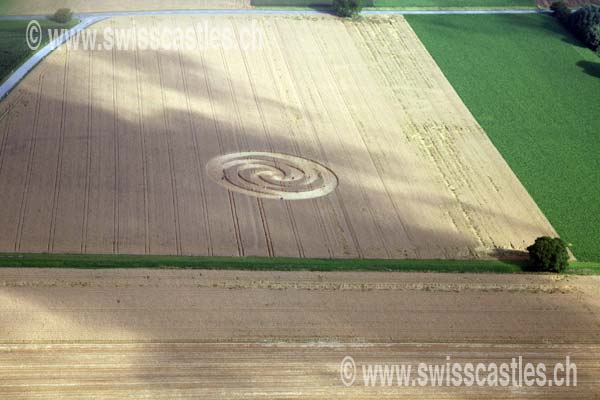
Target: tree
{"points": [[548, 254], [63, 15], [585, 24], [347, 8], [561, 11]]}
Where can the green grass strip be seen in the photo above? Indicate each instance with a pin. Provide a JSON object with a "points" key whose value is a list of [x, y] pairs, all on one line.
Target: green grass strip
{"points": [[252, 263], [455, 4], [271, 264]]}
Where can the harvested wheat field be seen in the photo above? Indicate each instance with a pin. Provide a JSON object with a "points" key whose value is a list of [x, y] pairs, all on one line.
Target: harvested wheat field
{"points": [[119, 334], [43, 7], [327, 139]]}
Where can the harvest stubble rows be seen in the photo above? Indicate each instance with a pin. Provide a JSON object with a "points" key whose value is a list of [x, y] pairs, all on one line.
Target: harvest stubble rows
{"points": [[105, 152]]}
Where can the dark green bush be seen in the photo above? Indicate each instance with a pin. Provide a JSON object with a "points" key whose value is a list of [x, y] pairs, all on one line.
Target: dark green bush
{"points": [[597, 36], [561, 11], [585, 24], [347, 8], [63, 15], [548, 255]]}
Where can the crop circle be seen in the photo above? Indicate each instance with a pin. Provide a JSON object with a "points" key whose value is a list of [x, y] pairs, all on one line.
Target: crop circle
{"points": [[272, 175]]}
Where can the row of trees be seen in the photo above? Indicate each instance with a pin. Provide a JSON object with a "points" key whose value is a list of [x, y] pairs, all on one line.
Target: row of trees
{"points": [[584, 23]]}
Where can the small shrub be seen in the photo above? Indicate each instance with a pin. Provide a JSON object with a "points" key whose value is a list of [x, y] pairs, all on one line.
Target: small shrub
{"points": [[63, 15], [548, 255], [347, 8], [561, 11]]}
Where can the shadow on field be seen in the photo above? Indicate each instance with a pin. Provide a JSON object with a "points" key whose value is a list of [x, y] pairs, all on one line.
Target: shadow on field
{"points": [[590, 68]]}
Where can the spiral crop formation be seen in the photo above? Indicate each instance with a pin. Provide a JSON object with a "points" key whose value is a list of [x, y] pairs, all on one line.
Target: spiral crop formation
{"points": [[272, 175]]}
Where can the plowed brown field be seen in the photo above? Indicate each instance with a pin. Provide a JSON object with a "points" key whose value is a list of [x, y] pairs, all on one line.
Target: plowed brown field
{"points": [[106, 151]]}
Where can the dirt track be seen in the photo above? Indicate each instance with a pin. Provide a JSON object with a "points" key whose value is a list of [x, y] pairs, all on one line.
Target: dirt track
{"points": [[209, 334], [106, 152]]}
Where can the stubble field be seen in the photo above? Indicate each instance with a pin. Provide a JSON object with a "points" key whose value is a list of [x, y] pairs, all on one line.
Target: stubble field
{"points": [[114, 151], [73, 334]]}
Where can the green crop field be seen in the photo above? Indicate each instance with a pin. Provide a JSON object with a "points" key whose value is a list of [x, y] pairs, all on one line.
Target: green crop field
{"points": [[408, 4], [5, 5], [536, 92], [13, 45], [454, 3]]}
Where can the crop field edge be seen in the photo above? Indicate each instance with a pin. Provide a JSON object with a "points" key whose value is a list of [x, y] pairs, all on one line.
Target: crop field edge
{"points": [[96, 261], [46, 24]]}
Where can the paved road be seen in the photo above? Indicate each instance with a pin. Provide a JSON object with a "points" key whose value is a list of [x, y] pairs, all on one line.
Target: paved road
{"points": [[278, 12]]}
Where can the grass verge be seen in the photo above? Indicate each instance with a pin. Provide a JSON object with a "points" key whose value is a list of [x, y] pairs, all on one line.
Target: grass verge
{"points": [[270, 264], [536, 92], [13, 43]]}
